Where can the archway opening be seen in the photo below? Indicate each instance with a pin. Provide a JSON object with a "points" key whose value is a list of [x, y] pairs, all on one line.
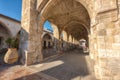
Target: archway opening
{"points": [[73, 23], [47, 41], [69, 16], [4, 35], [49, 37]]}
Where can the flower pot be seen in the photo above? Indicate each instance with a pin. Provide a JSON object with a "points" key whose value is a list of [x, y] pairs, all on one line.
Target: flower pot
{"points": [[11, 56]]}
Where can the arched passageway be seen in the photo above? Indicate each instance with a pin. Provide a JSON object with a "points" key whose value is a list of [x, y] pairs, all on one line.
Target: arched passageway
{"points": [[95, 21], [68, 18], [47, 41], [47, 45]]}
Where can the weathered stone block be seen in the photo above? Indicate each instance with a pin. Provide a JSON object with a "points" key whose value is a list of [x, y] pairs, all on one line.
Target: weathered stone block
{"points": [[108, 16], [102, 32], [97, 72], [117, 77], [107, 78], [106, 5], [116, 46], [105, 72], [117, 38]]}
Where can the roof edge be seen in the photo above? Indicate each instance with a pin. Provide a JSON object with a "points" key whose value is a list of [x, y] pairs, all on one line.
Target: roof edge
{"points": [[10, 18]]}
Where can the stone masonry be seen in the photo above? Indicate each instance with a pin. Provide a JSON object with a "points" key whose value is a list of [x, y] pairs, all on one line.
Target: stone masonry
{"points": [[97, 21]]}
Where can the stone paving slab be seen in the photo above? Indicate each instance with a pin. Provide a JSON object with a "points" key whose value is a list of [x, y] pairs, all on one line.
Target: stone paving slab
{"points": [[22, 73], [70, 66], [73, 65]]}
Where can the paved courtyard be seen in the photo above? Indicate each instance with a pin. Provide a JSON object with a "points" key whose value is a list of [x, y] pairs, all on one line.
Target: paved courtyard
{"points": [[21, 73], [73, 65]]}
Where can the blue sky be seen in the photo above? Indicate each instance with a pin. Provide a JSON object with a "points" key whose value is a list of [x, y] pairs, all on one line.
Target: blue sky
{"points": [[47, 25], [13, 8]]}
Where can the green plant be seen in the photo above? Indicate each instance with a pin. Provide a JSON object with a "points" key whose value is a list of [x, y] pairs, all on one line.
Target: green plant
{"points": [[12, 42]]}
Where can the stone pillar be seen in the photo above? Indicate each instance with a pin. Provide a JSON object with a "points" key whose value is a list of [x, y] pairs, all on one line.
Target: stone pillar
{"points": [[30, 43], [70, 41], [74, 42], [93, 42], [65, 40], [56, 35], [107, 60]]}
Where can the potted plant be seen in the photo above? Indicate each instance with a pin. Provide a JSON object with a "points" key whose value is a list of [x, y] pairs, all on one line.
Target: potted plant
{"points": [[11, 55]]}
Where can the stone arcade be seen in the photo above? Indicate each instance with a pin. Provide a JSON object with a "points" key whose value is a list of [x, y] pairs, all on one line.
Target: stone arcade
{"points": [[97, 21], [8, 28]]}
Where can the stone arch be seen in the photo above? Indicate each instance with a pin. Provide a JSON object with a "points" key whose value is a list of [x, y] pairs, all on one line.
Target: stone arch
{"points": [[54, 26], [55, 35], [4, 35], [40, 19], [85, 3], [56, 32], [48, 34], [64, 35], [89, 7], [45, 10], [47, 40], [6, 28], [77, 30], [78, 22]]}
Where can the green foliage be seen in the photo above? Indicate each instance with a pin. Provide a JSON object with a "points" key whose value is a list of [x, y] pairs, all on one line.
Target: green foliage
{"points": [[12, 42]]}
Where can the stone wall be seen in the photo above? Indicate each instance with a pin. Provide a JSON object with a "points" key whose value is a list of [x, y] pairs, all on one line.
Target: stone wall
{"points": [[31, 34], [8, 28], [105, 37], [12, 25]]}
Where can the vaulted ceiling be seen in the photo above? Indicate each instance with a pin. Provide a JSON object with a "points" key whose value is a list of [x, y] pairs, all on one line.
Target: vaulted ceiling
{"points": [[63, 12]]}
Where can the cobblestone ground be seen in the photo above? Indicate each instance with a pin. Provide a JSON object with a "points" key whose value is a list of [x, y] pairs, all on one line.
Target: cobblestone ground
{"points": [[73, 65]]}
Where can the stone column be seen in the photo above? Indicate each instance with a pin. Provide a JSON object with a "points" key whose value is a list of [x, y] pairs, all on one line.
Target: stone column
{"points": [[70, 41], [93, 42], [30, 43], [74, 42], [107, 61], [56, 35], [65, 41]]}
